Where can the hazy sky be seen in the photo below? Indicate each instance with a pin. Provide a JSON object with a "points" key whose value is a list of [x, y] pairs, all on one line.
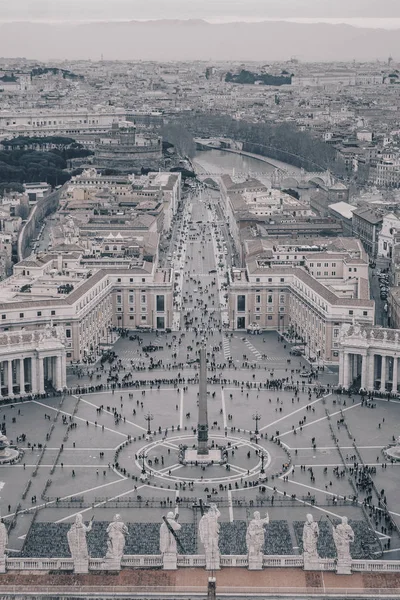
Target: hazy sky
{"points": [[366, 12]]}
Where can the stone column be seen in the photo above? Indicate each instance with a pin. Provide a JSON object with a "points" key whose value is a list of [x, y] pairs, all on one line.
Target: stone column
{"points": [[383, 374], [341, 368], [395, 373], [10, 378], [21, 376], [34, 385], [1, 379], [346, 378], [63, 370], [364, 370], [41, 375], [371, 372], [59, 384]]}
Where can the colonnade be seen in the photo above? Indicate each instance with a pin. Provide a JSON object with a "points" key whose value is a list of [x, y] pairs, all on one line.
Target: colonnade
{"points": [[373, 370], [31, 374]]}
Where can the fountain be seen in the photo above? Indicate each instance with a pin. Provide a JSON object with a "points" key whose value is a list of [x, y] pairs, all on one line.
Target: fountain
{"points": [[7, 453]]}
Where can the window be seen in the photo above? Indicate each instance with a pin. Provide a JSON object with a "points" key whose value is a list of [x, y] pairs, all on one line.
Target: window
{"points": [[257, 280], [326, 265], [351, 312], [131, 318], [53, 312], [333, 265], [336, 333], [325, 273], [282, 279], [21, 315], [269, 318], [282, 299], [241, 303], [160, 303], [365, 313], [258, 309], [335, 353], [144, 317], [143, 280], [269, 279], [281, 309], [119, 309], [270, 299], [318, 264], [119, 299], [258, 299], [119, 280], [311, 264], [5, 316], [131, 299], [333, 273], [69, 354], [318, 273], [143, 299]]}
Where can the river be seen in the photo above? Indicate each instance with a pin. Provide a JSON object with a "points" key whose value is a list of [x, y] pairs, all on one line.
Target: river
{"points": [[213, 161]]}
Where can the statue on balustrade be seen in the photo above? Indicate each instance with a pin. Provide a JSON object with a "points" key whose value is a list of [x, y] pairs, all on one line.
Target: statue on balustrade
{"points": [[343, 536], [78, 545], [209, 535], [116, 531], [3, 546], [168, 540], [255, 539], [310, 543]]}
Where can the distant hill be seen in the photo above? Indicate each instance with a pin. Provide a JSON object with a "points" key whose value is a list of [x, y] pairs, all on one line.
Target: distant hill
{"points": [[165, 40]]}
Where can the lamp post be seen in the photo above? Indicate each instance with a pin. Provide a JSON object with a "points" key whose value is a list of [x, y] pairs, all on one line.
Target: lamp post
{"points": [[149, 417], [256, 417], [143, 475]]}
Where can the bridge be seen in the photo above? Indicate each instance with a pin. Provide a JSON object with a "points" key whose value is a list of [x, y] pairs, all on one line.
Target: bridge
{"points": [[281, 178]]}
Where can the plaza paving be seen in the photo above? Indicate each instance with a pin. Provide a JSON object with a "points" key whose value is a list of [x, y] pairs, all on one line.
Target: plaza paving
{"points": [[71, 475]]}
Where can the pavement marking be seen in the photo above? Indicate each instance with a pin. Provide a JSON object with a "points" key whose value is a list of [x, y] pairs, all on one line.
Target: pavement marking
{"points": [[109, 412], [53, 502], [321, 419], [293, 413], [78, 418], [223, 408], [181, 411], [98, 504]]}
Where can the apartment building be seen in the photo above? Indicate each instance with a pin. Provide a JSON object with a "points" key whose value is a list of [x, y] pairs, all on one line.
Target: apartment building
{"points": [[86, 300], [309, 291]]}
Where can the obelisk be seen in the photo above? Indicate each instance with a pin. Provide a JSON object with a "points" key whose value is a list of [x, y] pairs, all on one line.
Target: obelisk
{"points": [[202, 425]]}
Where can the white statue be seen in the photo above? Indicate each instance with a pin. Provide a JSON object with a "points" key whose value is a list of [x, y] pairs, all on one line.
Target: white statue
{"points": [[3, 546], [255, 538], [343, 535], [310, 541], [255, 535], [78, 545], [168, 545], [116, 531], [209, 535]]}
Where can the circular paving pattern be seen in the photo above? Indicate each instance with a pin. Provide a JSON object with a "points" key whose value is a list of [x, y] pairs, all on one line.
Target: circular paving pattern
{"points": [[161, 459]]}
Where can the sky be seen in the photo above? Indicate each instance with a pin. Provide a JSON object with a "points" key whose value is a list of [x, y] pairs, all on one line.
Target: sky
{"points": [[370, 13]]}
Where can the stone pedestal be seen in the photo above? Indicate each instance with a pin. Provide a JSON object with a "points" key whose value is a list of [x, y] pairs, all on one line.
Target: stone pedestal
{"points": [[112, 564], [343, 567], [2, 564], [255, 562], [213, 561], [81, 566], [311, 564], [170, 561]]}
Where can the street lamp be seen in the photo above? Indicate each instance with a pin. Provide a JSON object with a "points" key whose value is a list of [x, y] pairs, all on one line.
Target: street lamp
{"points": [[149, 417], [256, 417], [143, 475]]}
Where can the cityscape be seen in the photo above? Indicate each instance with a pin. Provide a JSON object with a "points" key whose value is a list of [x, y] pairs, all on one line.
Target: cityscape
{"points": [[200, 315]]}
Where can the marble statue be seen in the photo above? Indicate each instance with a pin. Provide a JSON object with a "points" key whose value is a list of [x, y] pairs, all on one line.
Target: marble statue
{"points": [[78, 545], [168, 545], [343, 535], [116, 532], [310, 541], [209, 535], [3, 546], [255, 538]]}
